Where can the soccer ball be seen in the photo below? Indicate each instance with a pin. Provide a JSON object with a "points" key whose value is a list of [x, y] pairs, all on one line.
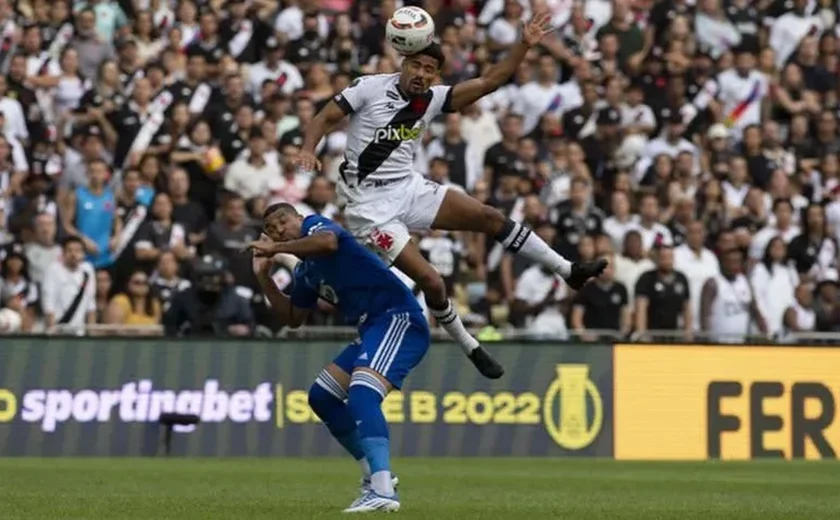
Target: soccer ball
{"points": [[410, 30]]}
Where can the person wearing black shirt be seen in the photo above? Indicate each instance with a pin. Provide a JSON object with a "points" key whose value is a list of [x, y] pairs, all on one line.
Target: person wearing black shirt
{"points": [[602, 304], [600, 146], [760, 167], [662, 297], [503, 155], [128, 62], [187, 212], [128, 120], [160, 233], [17, 89], [210, 307], [243, 32], [746, 17], [575, 218], [228, 238], [814, 252], [576, 119], [452, 149], [308, 48], [208, 42], [222, 114], [661, 15], [193, 89]]}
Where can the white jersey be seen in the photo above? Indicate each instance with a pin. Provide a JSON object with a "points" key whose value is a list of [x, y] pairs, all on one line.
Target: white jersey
{"points": [[386, 126], [730, 313]]}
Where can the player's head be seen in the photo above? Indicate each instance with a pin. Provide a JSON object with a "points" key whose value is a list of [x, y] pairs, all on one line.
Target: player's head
{"points": [[420, 70], [282, 222]]}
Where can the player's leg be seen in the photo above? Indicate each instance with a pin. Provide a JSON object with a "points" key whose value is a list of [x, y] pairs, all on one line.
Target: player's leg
{"points": [[391, 347], [406, 257], [327, 398], [375, 219], [460, 212]]}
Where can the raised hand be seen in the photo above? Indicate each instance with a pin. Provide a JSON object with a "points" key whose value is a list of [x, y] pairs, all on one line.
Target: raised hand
{"points": [[307, 162], [536, 28]]}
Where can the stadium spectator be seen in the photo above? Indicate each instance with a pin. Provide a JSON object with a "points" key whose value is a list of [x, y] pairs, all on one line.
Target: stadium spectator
{"points": [[137, 306], [602, 305], [663, 300], [69, 289]]}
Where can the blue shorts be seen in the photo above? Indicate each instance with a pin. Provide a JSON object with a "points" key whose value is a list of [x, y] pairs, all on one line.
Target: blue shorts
{"points": [[390, 345]]}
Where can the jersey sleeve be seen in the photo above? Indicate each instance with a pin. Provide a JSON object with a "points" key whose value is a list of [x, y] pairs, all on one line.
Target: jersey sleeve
{"points": [[302, 295], [441, 100], [356, 95], [316, 223]]}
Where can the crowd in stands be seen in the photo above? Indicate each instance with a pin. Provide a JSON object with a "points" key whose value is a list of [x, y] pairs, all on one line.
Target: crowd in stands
{"points": [[142, 139]]}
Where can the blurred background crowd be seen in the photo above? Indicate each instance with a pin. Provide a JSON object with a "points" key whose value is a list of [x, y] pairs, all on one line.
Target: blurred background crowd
{"points": [[141, 139]]}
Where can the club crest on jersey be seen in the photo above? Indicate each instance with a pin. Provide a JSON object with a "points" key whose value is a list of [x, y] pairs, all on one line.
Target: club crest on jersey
{"points": [[399, 133], [381, 240]]}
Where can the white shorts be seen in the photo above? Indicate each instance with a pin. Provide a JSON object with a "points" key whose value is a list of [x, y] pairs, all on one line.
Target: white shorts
{"points": [[381, 214]]}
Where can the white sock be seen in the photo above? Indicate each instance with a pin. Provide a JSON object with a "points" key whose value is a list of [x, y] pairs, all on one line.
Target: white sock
{"points": [[363, 463], [452, 324], [519, 239], [382, 484]]}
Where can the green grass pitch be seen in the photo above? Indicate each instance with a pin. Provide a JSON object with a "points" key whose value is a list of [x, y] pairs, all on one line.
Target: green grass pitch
{"points": [[435, 489]]}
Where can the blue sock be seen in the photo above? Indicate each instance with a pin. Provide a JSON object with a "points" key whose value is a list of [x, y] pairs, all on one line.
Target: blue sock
{"points": [[326, 398], [366, 396]]}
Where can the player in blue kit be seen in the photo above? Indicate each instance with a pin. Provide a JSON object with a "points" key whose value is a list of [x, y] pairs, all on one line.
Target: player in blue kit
{"points": [[393, 335]]}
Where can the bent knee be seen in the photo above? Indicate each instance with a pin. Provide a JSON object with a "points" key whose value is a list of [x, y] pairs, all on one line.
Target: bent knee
{"points": [[493, 219]]}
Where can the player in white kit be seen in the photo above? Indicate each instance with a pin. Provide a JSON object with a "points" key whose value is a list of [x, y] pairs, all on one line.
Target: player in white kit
{"points": [[727, 304], [384, 199]]}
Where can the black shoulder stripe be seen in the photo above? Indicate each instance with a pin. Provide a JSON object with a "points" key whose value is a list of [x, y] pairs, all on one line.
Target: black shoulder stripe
{"points": [[343, 104], [447, 102]]}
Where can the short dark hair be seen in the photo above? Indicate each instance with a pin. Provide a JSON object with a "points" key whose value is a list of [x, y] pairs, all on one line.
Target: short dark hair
{"points": [[279, 207], [433, 50], [71, 240]]}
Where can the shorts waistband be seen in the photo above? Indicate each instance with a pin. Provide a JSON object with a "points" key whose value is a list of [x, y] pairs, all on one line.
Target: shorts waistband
{"points": [[378, 183]]}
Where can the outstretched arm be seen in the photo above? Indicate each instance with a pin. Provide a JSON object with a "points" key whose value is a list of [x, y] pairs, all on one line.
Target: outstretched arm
{"points": [[322, 243], [325, 120], [468, 92]]}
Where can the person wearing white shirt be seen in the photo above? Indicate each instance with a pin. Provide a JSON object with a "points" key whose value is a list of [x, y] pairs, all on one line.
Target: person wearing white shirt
{"points": [[545, 96], [671, 143], [480, 128], [14, 124], [774, 282], [631, 263], [790, 28], [69, 289], [649, 228], [741, 90], [736, 187], [290, 22], [697, 263], [250, 177], [784, 227], [274, 68], [537, 299], [636, 117], [621, 221], [713, 30], [504, 30]]}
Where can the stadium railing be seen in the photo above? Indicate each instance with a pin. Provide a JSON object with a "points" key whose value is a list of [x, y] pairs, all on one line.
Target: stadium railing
{"points": [[577, 336]]}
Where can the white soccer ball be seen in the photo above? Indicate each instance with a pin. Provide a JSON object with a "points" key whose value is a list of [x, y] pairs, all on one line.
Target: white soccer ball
{"points": [[10, 321], [410, 30]]}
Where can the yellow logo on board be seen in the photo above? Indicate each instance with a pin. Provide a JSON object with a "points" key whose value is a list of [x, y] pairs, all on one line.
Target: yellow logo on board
{"points": [[572, 391]]}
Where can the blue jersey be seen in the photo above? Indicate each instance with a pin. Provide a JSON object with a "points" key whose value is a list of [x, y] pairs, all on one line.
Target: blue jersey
{"points": [[95, 220], [353, 279]]}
